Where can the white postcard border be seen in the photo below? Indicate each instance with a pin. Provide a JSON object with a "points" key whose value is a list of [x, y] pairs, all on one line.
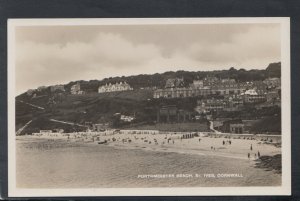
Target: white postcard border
{"points": [[284, 189]]}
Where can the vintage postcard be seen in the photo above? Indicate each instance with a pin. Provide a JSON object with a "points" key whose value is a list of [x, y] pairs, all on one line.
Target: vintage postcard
{"points": [[152, 107]]}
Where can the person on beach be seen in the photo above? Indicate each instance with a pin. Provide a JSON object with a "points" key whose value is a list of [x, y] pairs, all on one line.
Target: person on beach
{"points": [[251, 147], [199, 139], [248, 155], [258, 154], [230, 142], [211, 147], [223, 142]]}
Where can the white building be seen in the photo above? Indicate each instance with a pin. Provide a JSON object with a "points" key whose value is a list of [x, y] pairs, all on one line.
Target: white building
{"points": [[75, 89], [122, 86], [250, 92], [251, 96], [126, 118], [198, 84], [45, 131], [100, 127]]}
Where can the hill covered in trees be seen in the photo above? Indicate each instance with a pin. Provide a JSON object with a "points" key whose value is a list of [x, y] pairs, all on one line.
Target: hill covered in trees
{"points": [[159, 79]]}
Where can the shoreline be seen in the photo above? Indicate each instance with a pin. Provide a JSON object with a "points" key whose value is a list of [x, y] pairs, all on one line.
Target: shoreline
{"points": [[118, 164], [204, 145]]}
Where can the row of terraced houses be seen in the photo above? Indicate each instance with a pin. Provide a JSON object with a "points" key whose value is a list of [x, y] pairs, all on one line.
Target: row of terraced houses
{"points": [[253, 91]]}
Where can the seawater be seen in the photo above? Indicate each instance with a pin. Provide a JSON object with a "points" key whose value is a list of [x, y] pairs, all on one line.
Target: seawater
{"points": [[43, 163]]}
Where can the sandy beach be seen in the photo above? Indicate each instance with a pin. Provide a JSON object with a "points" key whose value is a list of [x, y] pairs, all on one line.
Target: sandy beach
{"points": [[224, 146]]}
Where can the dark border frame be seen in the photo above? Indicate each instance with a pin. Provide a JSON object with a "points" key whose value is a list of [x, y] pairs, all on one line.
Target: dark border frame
{"points": [[154, 9]]}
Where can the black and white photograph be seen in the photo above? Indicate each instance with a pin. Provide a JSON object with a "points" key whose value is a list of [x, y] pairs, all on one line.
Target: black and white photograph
{"points": [[167, 106]]}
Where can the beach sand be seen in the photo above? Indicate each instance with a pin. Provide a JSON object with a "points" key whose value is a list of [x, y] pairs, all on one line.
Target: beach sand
{"points": [[204, 145]]}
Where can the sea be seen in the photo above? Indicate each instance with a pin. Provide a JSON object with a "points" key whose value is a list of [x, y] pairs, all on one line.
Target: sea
{"points": [[54, 163]]}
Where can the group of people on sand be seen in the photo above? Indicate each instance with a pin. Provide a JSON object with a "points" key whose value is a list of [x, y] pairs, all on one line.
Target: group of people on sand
{"points": [[256, 156], [227, 142], [224, 143], [164, 140], [144, 139]]}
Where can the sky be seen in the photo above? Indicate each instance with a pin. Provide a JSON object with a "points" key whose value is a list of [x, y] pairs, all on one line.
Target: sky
{"points": [[48, 55]]}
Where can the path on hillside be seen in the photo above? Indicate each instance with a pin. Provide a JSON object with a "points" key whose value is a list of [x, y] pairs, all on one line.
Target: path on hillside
{"points": [[36, 106], [21, 129], [211, 126], [69, 123]]}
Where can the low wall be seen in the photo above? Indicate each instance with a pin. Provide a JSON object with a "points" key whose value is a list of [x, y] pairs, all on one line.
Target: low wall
{"points": [[260, 137]]}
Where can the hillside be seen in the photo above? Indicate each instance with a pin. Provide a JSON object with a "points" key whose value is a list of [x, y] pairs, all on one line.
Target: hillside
{"points": [[270, 124], [96, 108], [78, 109]]}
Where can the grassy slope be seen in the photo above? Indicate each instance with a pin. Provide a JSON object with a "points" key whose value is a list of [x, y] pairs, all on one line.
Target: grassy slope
{"points": [[94, 108], [267, 124], [78, 108]]}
